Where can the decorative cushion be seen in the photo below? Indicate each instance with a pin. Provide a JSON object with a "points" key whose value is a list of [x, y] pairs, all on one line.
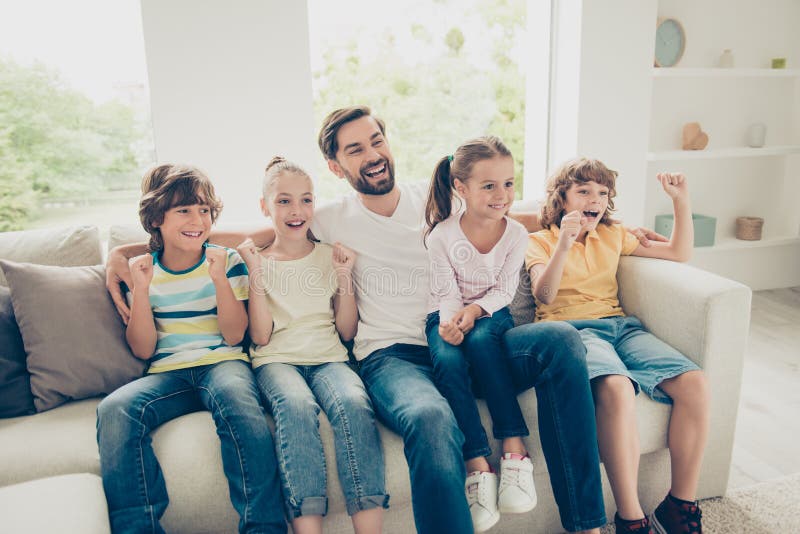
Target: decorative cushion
{"points": [[72, 333], [15, 385], [523, 307], [124, 234], [78, 245]]}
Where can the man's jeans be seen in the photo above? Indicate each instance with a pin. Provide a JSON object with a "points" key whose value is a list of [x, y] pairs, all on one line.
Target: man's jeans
{"points": [[399, 379], [294, 394], [551, 357], [132, 478]]}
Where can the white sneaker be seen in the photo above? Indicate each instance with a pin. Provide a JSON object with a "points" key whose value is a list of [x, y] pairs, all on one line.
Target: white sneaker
{"points": [[481, 490], [517, 494]]}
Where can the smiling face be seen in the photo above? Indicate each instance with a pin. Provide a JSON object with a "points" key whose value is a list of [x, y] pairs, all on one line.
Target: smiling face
{"points": [[590, 199], [489, 191], [363, 157], [185, 229], [290, 203]]}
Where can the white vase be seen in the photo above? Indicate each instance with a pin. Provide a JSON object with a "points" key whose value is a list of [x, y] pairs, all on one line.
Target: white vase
{"points": [[756, 135], [726, 59]]}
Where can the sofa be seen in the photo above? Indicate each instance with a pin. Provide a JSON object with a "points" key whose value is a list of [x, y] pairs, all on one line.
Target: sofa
{"points": [[703, 315]]}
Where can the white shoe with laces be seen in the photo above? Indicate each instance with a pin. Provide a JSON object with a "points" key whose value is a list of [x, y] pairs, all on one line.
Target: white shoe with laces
{"points": [[481, 490], [517, 494]]}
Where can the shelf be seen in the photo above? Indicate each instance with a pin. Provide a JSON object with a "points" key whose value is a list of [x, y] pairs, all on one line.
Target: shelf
{"points": [[731, 243], [660, 72], [723, 153]]}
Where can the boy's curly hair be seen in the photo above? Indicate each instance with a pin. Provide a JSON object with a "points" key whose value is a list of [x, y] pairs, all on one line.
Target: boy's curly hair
{"points": [[576, 171], [167, 186]]}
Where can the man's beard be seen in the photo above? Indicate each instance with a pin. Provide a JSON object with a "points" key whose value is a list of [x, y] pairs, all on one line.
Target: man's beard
{"points": [[364, 185]]}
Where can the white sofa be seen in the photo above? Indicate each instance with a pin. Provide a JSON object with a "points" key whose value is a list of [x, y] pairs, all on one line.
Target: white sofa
{"points": [[703, 315]]}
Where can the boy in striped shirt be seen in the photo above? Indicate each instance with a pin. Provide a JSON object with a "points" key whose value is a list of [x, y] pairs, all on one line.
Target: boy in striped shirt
{"points": [[188, 320]]}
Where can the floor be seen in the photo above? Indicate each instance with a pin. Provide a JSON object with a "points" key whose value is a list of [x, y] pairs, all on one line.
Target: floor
{"points": [[768, 425]]}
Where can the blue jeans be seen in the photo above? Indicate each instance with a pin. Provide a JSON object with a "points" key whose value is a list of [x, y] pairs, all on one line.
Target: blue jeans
{"points": [[622, 346], [294, 394], [479, 364], [550, 356], [132, 478], [399, 379]]}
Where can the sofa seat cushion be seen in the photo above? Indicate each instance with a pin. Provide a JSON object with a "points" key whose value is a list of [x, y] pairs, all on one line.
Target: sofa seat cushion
{"points": [[56, 442], [68, 504]]}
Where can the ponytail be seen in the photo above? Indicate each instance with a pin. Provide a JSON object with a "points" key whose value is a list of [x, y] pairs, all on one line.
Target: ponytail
{"points": [[440, 195]]}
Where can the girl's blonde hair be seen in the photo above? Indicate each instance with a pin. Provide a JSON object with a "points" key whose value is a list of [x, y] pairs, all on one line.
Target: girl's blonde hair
{"points": [[275, 167], [167, 186], [575, 172], [457, 167]]}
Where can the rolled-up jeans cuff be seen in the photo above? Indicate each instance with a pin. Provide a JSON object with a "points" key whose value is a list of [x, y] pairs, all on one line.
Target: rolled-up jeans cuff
{"points": [[513, 433], [308, 506], [368, 502]]}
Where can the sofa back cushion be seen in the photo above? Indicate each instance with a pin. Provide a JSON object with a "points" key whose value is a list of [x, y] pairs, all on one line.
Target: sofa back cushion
{"points": [[15, 386], [77, 245], [74, 338]]}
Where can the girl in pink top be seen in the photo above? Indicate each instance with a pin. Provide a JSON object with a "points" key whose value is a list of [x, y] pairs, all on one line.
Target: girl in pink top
{"points": [[476, 255]]}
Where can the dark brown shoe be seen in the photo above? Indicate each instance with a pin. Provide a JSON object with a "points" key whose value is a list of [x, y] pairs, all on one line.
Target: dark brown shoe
{"points": [[677, 517]]}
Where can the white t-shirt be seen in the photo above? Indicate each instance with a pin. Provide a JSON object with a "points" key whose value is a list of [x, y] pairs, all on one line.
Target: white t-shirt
{"points": [[391, 270]]}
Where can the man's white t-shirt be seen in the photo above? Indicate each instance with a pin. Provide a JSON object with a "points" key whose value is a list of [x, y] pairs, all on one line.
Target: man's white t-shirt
{"points": [[391, 272]]}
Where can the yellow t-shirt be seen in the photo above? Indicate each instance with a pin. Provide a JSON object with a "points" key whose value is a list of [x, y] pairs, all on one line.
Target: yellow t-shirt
{"points": [[299, 294], [588, 288]]}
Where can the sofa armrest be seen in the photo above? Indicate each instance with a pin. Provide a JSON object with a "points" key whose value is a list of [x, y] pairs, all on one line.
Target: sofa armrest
{"points": [[706, 317]]}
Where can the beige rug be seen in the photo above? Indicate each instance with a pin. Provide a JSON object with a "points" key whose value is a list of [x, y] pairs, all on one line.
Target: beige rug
{"points": [[768, 508]]}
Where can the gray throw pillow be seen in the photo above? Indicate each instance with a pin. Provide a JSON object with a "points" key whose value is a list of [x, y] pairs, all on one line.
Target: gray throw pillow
{"points": [[15, 385], [523, 307], [74, 338]]}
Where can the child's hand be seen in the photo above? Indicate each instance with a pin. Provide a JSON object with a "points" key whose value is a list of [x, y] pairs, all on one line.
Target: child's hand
{"points": [[674, 184], [451, 333], [249, 253], [343, 259], [465, 318], [217, 259], [571, 225], [141, 271]]}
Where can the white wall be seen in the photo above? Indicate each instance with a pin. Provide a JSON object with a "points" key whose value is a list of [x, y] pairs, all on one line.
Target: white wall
{"points": [[602, 100], [230, 86]]}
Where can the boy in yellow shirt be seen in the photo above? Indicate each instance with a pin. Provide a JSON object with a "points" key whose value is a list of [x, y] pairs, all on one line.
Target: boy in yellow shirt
{"points": [[573, 266]]}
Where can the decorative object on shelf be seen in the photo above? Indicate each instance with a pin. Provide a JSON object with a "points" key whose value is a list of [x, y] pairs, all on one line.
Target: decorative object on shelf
{"points": [[726, 59], [779, 63], [756, 135], [670, 42], [704, 228], [694, 138], [749, 228]]}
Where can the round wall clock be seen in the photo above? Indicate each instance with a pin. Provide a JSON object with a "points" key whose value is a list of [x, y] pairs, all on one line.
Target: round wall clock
{"points": [[670, 42]]}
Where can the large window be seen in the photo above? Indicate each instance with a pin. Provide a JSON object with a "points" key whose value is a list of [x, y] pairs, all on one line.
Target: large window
{"points": [[75, 134], [438, 72]]}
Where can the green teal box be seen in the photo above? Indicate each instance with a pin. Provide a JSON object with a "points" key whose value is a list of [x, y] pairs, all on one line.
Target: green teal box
{"points": [[704, 228]]}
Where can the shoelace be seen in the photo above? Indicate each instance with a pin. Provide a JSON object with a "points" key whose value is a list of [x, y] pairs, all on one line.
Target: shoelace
{"points": [[472, 493], [510, 477], [691, 516]]}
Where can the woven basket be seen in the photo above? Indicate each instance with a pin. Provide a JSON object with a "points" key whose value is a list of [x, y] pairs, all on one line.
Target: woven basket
{"points": [[749, 228]]}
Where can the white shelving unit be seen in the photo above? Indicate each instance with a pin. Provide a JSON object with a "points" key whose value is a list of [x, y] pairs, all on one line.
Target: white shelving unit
{"points": [[728, 178]]}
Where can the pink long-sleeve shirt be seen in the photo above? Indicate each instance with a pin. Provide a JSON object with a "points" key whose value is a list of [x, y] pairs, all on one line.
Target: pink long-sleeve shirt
{"points": [[461, 275]]}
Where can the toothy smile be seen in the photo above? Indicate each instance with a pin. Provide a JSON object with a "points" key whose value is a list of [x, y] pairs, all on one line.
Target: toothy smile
{"points": [[295, 224], [498, 206], [591, 214], [192, 234], [375, 170]]}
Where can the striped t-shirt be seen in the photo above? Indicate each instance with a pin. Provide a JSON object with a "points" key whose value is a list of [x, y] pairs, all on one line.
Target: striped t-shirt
{"points": [[184, 307]]}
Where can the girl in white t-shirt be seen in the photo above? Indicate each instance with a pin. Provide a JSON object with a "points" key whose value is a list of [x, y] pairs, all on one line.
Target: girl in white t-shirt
{"points": [[476, 255], [301, 302]]}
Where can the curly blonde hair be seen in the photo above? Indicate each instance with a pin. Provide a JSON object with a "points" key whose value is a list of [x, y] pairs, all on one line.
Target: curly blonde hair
{"points": [[576, 171]]}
